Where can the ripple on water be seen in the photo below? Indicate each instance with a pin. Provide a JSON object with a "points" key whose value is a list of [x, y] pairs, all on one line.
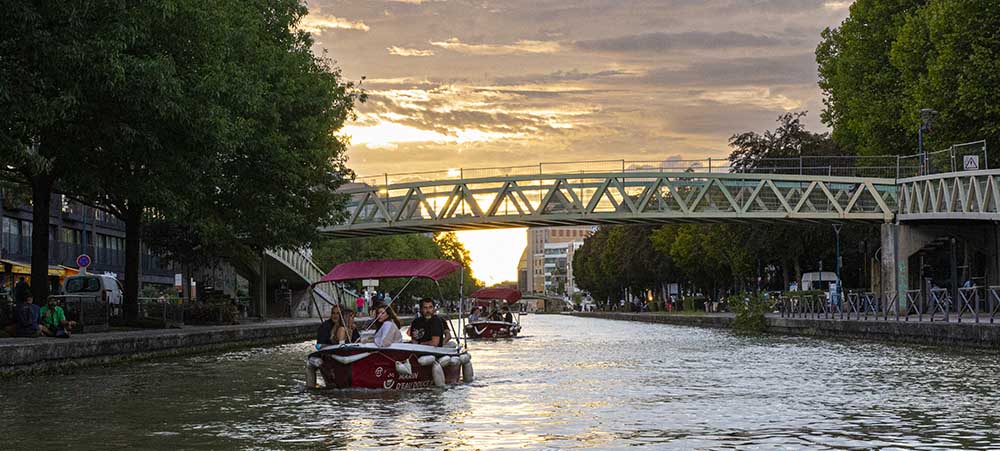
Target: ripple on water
{"points": [[571, 383]]}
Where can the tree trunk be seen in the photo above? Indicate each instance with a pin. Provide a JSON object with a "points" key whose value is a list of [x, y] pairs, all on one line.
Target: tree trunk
{"points": [[41, 200], [798, 273], [133, 259]]}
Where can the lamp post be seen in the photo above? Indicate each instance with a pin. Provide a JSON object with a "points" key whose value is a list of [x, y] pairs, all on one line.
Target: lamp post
{"points": [[840, 282], [927, 116]]}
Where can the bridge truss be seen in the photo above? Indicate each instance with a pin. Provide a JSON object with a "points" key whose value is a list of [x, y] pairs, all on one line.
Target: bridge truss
{"points": [[614, 197]]}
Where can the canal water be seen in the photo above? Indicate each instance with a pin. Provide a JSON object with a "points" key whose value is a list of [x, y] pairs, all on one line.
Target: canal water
{"points": [[570, 383]]}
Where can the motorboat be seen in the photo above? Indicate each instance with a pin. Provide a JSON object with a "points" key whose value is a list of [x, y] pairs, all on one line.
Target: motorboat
{"points": [[493, 325], [399, 366]]}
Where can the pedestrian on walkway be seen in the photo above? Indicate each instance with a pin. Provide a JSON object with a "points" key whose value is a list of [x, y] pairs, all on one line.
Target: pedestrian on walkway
{"points": [[361, 304]]}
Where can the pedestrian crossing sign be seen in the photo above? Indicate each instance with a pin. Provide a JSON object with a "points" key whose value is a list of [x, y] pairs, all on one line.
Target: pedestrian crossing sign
{"points": [[970, 162]]}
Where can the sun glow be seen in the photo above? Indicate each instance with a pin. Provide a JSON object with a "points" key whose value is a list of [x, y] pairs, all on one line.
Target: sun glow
{"points": [[495, 253]]}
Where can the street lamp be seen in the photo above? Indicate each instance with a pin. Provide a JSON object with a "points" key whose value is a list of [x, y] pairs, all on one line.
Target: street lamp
{"points": [[927, 116], [840, 282]]}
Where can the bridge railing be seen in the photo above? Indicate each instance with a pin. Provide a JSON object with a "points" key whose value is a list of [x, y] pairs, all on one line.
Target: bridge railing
{"points": [[976, 304], [841, 166]]}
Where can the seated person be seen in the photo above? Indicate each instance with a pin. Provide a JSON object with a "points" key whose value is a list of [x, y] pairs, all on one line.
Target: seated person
{"points": [[476, 315], [26, 315], [387, 327], [428, 329], [352, 327], [333, 330], [495, 316], [53, 320], [507, 316]]}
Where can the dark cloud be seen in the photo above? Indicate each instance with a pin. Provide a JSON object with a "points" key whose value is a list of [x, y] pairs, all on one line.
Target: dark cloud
{"points": [[773, 70], [697, 40]]}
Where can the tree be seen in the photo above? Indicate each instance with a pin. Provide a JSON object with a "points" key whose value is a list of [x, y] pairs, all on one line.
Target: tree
{"points": [[789, 140], [948, 58], [226, 116], [450, 248], [863, 93], [48, 52]]}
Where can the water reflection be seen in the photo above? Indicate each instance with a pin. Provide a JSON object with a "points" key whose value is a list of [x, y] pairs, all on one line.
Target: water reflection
{"points": [[573, 383]]}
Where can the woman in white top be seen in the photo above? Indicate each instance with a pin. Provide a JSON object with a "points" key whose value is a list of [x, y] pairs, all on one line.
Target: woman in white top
{"points": [[387, 327]]}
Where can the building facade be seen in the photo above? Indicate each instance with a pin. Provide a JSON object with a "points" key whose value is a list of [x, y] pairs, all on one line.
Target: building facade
{"points": [[74, 229], [547, 258]]}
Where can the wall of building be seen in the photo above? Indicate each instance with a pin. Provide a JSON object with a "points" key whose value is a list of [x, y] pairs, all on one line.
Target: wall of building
{"points": [[70, 226], [556, 239]]}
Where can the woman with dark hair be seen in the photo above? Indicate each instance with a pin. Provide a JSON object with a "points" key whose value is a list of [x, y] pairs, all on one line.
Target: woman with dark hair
{"points": [[387, 327], [333, 330]]}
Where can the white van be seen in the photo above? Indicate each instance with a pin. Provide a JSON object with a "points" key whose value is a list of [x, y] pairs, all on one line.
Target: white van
{"points": [[819, 281], [107, 287]]}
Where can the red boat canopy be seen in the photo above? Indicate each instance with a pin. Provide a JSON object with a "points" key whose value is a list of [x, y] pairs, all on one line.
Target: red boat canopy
{"points": [[384, 269], [508, 294]]}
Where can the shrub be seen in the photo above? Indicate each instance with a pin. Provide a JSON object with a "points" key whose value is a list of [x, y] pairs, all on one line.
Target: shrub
{"points": [[694, 303], [750, 310]]}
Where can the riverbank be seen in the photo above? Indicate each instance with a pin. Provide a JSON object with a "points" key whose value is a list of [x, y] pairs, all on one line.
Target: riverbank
{"points": [[32, 355], [965, 334]]}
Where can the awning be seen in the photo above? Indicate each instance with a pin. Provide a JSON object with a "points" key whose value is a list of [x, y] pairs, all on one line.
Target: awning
{"points": [[385, 269], [508, 294], [25, 268]]}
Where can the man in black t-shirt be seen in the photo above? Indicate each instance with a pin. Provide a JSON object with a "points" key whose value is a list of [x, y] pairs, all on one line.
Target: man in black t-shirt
{"points": [[428, 328]]}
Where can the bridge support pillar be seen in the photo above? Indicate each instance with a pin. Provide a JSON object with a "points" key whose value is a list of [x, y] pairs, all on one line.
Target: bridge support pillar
{"points": [[899, 242]]}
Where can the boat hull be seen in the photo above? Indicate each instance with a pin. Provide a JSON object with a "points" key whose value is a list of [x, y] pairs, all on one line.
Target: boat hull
{"points": [[370, 367], [492, 329]]}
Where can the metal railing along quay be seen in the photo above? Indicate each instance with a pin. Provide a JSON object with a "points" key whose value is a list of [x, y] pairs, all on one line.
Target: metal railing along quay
{"points": [[96, 315], [976, 304]]}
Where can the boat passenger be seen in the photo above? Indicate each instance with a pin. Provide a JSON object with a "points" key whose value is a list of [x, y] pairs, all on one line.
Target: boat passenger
{"points": [[507, 316], [428, 329], [352, 327], [387, 327], [333, 330], [476, 315]]}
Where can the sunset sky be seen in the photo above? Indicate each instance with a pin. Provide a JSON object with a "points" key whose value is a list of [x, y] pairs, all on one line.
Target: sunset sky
{"points": [[457, 83]]}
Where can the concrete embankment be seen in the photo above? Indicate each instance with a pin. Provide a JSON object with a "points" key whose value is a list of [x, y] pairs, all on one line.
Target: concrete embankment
{"points": [[966, 334], [26, 355]]}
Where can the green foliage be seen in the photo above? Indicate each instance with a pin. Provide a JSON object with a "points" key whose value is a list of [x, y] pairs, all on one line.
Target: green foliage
{"points": [[749, 309], [789, 140], [213, 119], [694, 303], [863, 93], [948, 58], [616, 258], [891, 58]]}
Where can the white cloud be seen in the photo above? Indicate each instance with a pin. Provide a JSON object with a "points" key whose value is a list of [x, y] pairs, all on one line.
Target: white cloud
{"points": [[523, 46], [837, 5], [317, 23], [402, 51]]}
